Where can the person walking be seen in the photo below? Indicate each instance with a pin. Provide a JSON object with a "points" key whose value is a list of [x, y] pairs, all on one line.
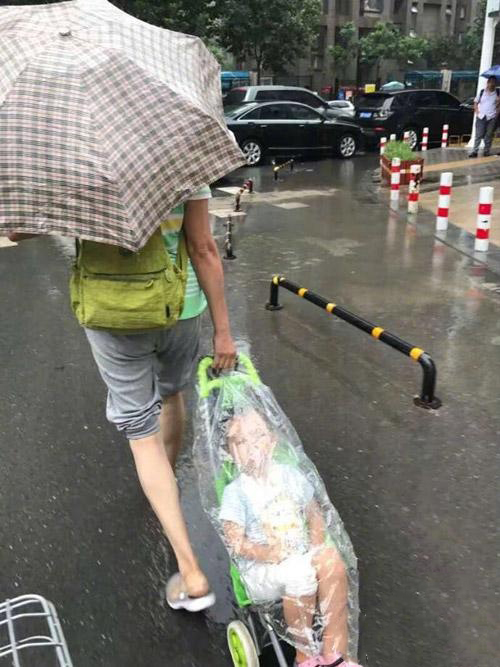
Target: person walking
{"points": [[146, 374], [486, 110]]}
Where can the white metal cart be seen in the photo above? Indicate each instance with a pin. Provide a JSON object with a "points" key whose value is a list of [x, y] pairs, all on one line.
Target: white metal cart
{"points": [[19, 619]]}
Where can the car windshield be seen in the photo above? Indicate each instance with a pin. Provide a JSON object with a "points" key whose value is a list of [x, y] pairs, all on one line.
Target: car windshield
{"points": [[235, 96], [373, 101], [237, 109]]}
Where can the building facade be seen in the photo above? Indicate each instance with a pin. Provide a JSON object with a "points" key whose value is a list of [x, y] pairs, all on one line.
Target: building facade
{"points": [[426, 18]]}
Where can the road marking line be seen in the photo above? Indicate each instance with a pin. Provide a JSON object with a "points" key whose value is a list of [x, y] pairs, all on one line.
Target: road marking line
{"points": [[232, 190], [5, 243], [223, 213], [291, 205]]}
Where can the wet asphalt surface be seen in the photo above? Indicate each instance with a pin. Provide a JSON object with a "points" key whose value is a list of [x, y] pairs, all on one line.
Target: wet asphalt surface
{"points": [[417, 489]]}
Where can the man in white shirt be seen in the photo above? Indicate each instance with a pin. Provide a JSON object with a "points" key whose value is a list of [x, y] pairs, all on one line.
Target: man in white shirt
{"points": [[486, 109]]}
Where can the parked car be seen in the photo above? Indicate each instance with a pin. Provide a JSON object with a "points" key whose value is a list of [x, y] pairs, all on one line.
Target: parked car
{"points": [[289, 129], [342, 108], [247, 94], [383, 114]]}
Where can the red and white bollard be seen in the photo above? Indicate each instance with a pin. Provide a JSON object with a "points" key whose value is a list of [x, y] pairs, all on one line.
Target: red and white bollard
{"points": [[425, 138], [443, 210], [383, 142], [392, 137], [444, 136], [483, 219], [414, 188], [406, 137], [395, 179]]}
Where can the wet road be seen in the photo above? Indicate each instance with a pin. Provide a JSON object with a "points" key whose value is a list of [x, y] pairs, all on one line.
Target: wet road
{"points": [[417, 490]]}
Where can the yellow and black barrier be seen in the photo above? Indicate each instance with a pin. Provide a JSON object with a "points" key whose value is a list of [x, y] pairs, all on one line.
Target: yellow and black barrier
{"points": [[427, 398], [278, 167]]}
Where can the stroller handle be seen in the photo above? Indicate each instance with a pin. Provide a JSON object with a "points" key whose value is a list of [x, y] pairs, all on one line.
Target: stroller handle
{"points": [[208, 384]]}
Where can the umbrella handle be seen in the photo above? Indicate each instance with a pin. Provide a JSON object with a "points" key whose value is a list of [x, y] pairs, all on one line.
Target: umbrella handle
{"points": [[207, 384]]}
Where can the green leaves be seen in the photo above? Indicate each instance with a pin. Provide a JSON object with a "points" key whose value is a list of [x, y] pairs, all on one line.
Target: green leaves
{"points": [[346, 46], [274, 32]]}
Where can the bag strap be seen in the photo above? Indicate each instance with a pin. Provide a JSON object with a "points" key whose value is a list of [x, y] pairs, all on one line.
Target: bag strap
{"points": [[182, 253]]}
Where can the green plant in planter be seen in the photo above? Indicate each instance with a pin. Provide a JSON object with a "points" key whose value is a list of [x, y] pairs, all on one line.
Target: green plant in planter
{"points": [[399, 149]]}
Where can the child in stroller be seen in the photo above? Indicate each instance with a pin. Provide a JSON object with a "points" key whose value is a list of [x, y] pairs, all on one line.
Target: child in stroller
{"points": [[275, 532], [293, 566]]}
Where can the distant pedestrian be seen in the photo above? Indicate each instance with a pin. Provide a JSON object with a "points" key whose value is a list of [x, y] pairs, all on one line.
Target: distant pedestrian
{"points": [[486, 109]]}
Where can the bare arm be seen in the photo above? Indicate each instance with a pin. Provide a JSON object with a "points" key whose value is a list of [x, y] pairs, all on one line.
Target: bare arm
{"points": [[242, 546], [476, 108], [205, 258]]}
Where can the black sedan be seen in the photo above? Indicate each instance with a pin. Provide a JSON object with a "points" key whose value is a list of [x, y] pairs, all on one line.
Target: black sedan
{"points": [[290, 129]]}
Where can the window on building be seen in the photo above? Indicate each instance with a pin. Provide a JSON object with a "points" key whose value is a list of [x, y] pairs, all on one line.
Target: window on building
{"points": [[431, 19], [462, 12], [326, 6], [321, 41], [344, 7]]}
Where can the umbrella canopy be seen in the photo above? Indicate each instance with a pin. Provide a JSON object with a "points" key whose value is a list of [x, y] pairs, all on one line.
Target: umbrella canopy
{"points": [[393, 85], [493, 71], [106, 122]]}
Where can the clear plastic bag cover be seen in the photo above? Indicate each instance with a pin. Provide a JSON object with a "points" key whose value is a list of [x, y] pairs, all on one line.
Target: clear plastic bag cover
{"points": [[270, 507]]}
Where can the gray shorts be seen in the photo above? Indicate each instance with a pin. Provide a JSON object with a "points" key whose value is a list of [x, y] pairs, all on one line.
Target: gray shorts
{"points": [[141, 369]]}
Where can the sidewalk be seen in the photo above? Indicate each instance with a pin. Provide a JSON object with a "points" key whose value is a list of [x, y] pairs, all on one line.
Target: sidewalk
{"points": [[465, 170], [468, 176], [463, 209]]}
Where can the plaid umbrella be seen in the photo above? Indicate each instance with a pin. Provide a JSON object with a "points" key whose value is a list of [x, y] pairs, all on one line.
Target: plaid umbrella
{"points": [[106, 122]]}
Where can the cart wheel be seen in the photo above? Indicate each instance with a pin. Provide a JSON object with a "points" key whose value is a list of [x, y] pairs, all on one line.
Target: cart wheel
{"points": [[241, 645]]}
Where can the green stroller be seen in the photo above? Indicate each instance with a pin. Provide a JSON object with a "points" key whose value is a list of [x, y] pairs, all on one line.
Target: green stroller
{"points": [[228, 465]]}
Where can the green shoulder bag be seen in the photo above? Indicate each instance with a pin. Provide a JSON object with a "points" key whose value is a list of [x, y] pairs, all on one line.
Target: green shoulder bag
{"points": [[116, 289]]}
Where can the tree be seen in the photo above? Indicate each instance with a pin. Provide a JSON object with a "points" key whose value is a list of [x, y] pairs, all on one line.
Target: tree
{"points": [[386, 42], [410, 49], [380, 44], [272, 32], [346, 46]]}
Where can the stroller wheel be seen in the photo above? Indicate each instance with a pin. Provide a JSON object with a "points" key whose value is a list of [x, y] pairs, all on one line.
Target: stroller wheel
{"points": [[241, 645]]}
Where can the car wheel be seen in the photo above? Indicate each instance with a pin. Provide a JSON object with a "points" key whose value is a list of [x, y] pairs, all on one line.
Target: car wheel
{"points": [[347, 146], [413, 137], [252, 151]]}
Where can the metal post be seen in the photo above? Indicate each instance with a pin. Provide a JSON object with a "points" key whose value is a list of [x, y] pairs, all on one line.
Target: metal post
{"points": [[427, 399], [273, 303], [228, 243], [237, 202]]}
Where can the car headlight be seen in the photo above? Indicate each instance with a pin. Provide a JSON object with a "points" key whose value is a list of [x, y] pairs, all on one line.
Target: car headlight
{"points": [[382, 115]]}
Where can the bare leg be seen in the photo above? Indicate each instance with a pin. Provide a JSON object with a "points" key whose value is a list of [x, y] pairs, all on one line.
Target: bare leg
{"points": [[172, 420], [332, 592], [159, 484], [299, 614]]}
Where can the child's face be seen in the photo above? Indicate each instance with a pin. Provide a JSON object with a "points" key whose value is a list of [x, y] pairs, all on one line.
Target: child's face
{"points": [[250, 442]]}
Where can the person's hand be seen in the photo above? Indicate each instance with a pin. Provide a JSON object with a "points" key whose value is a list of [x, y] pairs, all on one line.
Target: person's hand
{"points": [[17, 236], [275, 553], [224, 352]]}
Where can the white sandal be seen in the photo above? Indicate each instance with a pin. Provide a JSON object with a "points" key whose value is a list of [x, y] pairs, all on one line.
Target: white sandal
{"points": [[178, 598]]}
